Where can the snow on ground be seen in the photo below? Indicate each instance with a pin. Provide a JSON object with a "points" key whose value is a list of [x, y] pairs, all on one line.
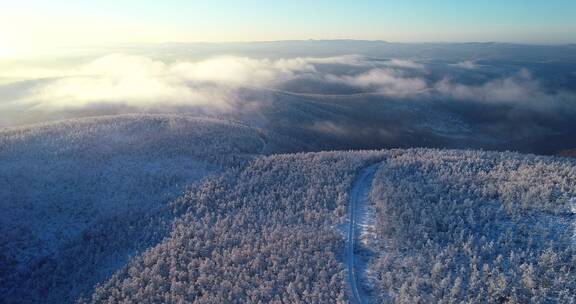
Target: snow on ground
{"points": [[360, 231]]}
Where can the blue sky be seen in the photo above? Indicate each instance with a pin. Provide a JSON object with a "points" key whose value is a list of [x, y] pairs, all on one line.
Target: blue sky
{"points": [[25, 23]]}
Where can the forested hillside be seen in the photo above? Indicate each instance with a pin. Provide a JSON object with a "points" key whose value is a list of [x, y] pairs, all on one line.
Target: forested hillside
{"points": [[79, 197], [264, 234], [474, 227], [176, 209], [450, 226]]}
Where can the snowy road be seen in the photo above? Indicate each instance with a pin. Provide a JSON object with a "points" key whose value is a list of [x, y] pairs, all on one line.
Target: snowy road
{"points": [[358, 196]]}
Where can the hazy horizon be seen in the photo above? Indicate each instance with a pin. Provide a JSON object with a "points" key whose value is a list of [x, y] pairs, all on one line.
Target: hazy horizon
{"points": [[31, 25]]}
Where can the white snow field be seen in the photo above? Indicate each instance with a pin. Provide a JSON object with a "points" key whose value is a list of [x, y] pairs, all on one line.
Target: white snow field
{"points": [[358, 227]]}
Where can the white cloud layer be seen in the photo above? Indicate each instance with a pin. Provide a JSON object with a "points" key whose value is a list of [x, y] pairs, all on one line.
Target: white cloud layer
{"points": [[144, 83], [384, 81], [520, 88], [408, 64], [467, 65]]}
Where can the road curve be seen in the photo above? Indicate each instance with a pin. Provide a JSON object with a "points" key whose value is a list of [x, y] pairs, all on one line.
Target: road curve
{"points": [[358, 195]]}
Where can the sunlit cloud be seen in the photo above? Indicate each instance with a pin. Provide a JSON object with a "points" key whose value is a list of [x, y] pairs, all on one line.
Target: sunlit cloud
{"points": [[120, 83], [385, 81], [467, 65], [139, 83], [520, 88], [399, 63], [143, 82]]}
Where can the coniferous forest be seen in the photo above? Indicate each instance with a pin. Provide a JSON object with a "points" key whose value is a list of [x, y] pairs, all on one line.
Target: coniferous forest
{"points": [[441, 226]]}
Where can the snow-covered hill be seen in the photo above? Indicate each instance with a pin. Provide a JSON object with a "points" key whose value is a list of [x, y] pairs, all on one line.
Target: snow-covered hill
{"points": [[178, 209], [454, 226], [446, 221], [64, 185]]}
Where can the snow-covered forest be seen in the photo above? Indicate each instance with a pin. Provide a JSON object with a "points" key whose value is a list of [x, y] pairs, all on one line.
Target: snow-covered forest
{"points": [[87, 194], [473, 227], [263, 234], [450, 226], [175, 209]]}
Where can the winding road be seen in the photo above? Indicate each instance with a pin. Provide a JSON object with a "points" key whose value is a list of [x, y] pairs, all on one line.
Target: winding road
{"points": [[358, 196]]}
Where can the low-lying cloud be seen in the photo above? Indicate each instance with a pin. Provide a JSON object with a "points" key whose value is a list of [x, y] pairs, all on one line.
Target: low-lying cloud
{"points": [[384, 81], [520, 89], [127, 83], [467, 65]]}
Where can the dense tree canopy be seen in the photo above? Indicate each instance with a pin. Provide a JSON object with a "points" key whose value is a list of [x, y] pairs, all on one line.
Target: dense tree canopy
{"points": [[474, 227], [183, 216]]}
